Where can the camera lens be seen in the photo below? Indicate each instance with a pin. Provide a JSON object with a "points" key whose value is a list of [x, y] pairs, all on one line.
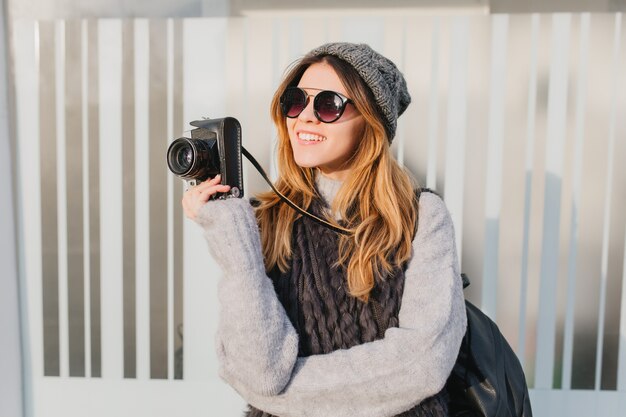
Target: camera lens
{"points": [[180, 156], [193, 158], [184, 157]]}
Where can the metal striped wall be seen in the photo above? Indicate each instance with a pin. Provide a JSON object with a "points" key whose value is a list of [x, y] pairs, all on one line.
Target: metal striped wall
{"points": [[516, 119]]}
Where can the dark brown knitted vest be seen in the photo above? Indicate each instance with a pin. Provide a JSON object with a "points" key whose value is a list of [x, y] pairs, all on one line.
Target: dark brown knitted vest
{"points": [[315, 296]]}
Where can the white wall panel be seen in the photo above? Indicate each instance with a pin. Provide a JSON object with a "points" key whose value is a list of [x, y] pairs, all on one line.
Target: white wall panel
{"points": [[608, 187], [557, 108], [433, 105], [11, 379], [621, 373], [456, 124], [26, 63], [110, 70], [62, 196], [85, 155], [142, 222], [493, 192], [529, 154], [581, 96]]}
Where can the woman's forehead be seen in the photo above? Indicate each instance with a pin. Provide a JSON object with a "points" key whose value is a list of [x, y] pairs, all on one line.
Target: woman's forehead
{"points": [[323, 77]]}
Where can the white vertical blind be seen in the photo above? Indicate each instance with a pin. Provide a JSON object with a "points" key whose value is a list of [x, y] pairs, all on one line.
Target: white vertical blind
{"points": [[456, 124], [170, 202], [555, 138], [530, 150], [61, 196], [433, 108], [110, 72], [142, 216], [25, 39], [86, 233], [581, 97], [607, 197], [493, 192], [621, 373]]}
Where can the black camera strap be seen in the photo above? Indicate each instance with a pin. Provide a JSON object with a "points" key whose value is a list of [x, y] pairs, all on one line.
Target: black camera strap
{"points": [[288, 201]]}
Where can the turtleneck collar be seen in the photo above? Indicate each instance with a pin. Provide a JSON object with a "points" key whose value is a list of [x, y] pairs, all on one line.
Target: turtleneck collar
{"points": [[327, 187]]}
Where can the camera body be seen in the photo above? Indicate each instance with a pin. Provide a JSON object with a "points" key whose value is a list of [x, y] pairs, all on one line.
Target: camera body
{"points": [[214, 148]]}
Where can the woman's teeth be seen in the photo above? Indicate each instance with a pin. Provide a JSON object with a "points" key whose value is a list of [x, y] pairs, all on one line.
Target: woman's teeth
{"points": [[311, 137]]}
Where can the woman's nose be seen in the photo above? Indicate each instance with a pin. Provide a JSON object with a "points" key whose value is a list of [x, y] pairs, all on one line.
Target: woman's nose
{"points": [[308, 114]]}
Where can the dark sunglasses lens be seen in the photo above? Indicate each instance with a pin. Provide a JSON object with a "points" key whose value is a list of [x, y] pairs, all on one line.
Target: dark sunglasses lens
{"points": [[293, 102], [328, 106]]}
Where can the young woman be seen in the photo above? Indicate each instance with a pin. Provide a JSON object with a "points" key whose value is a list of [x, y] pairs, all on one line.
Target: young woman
{"points": [[318, 323]]}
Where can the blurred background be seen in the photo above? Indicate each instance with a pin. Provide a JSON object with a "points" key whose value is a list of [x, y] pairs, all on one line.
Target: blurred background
{"points": [[107, 295]]}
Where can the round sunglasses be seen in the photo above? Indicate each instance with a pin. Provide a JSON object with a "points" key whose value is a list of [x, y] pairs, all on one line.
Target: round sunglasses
{"points": [[328, 106]]}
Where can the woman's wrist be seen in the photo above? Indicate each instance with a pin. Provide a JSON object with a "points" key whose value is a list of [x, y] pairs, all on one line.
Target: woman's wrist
{"points": [[232, 234]]}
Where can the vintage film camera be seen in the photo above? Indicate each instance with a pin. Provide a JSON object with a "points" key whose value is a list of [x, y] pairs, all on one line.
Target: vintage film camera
{"points": [[214, 148]]}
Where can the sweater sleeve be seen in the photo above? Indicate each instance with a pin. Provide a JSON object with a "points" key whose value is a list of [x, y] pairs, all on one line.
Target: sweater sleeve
{"points": [[255, 339], [381, 378]]}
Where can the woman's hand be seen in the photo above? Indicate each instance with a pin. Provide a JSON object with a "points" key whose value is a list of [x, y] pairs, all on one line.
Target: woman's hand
{"points": [[197, 196]]}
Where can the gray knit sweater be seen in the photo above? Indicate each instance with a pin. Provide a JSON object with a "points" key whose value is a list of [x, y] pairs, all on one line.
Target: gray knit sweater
{"points": [[257, 346]]}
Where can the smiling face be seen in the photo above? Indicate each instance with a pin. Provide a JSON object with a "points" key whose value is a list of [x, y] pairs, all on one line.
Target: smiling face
{"points": [[327, 146]]}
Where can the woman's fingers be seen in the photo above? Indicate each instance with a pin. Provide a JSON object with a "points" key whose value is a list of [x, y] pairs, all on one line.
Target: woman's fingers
{"points": [[208, 183], [198, 196], [207, 193]]}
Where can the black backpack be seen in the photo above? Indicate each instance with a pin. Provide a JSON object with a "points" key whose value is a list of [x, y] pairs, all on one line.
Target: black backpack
{"points": [[487, 379]]}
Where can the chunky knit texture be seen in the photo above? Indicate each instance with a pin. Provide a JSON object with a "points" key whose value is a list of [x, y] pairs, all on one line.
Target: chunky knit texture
{"points": [[258, 346], [379, 73], [326, 317]]}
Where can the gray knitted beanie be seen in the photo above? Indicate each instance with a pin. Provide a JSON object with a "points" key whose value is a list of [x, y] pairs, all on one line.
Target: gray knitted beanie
{"points": [[379, 73]]}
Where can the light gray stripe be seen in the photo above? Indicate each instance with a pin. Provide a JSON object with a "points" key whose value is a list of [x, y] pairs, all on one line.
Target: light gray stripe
{"points": [[606, 228], [557, 106], [511, 196], [61, 198], [94, 196], [111, 234], [530, 149], [400, 141], [453, 152], [589, 256], [74, 193], [158, 199], [170, 201], [433, 107], [25, 102], [245, 120], [142, 221], [615, 304], [85, 167], [448, 45], [493, 186], [178, 196], [49, 232], [567, 151], [128, 198], [621, 359], [418, 35], [472, 237], [276, 73], [14, 379], [581, 101]]}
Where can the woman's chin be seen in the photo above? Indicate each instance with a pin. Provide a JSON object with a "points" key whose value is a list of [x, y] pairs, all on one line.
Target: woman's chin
{"points": [[307, 162]]}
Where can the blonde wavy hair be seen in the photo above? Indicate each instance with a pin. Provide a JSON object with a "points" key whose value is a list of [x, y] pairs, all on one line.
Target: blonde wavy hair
{"points": [[376, 202]]}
